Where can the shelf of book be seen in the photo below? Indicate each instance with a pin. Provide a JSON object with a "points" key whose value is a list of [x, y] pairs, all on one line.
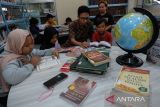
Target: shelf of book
{"points": [[110, 5], [13, 4], [11, 13], [116, 7], [12, 21]]}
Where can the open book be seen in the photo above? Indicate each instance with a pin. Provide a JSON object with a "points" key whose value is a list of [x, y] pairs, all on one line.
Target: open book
{"points": [[78, 90], [100, 44], [47, 62], [96, 58]]}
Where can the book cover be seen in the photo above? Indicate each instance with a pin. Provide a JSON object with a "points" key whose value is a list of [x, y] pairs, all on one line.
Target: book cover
{"points": [[96, 58], [79, 90], [47, 62], [83, 65], [131, 88], [100, 44], [66, 66], [132, 80]]}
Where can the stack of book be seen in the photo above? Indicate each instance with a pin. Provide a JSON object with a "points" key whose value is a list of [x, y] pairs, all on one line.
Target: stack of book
{"points": [[132, 88], [93, 62], [78, 90]]}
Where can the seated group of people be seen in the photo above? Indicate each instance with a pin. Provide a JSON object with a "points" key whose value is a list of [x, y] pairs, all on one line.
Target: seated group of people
{"points": [[19, 58], [81, 30]]}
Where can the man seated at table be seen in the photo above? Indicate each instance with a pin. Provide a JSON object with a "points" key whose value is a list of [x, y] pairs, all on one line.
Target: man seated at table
{"points": [[81, 29]]}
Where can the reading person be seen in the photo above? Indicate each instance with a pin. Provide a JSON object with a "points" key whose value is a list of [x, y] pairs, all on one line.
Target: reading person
{"points": [[68, 21], [81, 29], [50, 39], [19, 58], [101, 34]]}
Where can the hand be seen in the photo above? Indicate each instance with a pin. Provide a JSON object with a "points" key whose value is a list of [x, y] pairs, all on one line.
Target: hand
{"points": [[35, 60], [85, 44], [55, 53]]}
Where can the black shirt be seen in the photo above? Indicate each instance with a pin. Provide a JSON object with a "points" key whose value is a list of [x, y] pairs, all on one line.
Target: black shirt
{"points": [[107, 16]]}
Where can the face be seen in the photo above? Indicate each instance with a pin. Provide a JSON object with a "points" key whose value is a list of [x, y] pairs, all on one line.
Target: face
{"points": [[54, 39], [101, 28], [84, 18], [102, 8], [51, 21], [27, 46]]}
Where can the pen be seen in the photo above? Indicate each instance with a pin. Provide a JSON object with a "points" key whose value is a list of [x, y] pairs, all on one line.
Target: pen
{"points": [[57, 59]]}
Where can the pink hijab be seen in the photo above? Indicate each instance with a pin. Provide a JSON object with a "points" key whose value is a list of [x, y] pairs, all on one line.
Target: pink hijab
{"points": [[15, 41]]}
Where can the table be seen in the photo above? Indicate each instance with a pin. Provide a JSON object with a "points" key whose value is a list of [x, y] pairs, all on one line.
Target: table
{"points": [[26, 93]]}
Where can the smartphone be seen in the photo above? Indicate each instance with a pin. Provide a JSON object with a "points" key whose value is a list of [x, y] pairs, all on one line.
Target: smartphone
{"points": [[55, 80]]}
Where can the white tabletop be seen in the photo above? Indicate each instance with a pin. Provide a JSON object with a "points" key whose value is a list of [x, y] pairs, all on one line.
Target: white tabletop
{"points": [[26, 94]]}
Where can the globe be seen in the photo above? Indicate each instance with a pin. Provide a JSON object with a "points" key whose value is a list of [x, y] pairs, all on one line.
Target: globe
{"points": [[135, 33]]}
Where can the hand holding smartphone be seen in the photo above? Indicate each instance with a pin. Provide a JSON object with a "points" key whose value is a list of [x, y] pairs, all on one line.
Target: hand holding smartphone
{"points": [[55, 80]]}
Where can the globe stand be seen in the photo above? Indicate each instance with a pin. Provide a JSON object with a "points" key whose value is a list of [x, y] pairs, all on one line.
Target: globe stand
{"points": [[129, 60]]}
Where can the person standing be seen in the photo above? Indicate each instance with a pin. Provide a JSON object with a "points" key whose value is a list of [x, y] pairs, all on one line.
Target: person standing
{"points": [[104, 13]]}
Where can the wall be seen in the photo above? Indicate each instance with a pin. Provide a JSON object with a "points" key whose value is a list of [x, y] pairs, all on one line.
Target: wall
{"points": [[68, 8]]}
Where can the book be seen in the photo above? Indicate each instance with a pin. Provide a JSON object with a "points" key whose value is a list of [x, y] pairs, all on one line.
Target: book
{"points": [[132, 88], [79, 90], [47, 62], [74, 51], [66, 66], [84, 66], [100, 44], [96, 58], [153, 54]]}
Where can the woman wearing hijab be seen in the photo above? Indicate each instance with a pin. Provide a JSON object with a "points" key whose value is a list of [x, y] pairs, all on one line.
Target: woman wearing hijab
{"points": [[19, 58]]}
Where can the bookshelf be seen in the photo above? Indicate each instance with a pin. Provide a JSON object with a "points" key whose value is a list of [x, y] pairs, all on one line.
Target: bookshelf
{"points": [[117, 8], [39, 10], [11, 13]]}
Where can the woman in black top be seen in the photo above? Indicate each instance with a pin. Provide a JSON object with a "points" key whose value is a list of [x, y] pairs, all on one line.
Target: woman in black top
{"points": [[50, 38], [103, 13]]}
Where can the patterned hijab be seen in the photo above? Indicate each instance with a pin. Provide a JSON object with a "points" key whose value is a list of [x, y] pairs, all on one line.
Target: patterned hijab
{"points": [[15, 41]]}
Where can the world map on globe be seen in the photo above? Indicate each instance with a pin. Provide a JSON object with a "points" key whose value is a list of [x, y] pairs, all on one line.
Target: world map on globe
{"points": [[133, 31]]}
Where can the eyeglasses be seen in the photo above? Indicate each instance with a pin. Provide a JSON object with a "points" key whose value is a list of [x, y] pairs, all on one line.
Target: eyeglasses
{"points": [[84, 18]]}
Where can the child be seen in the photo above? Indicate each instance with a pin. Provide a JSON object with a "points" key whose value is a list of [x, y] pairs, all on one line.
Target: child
{"points": [[51, 21], [68, 21], [19, 58], [101, 34], [50, 39]]}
